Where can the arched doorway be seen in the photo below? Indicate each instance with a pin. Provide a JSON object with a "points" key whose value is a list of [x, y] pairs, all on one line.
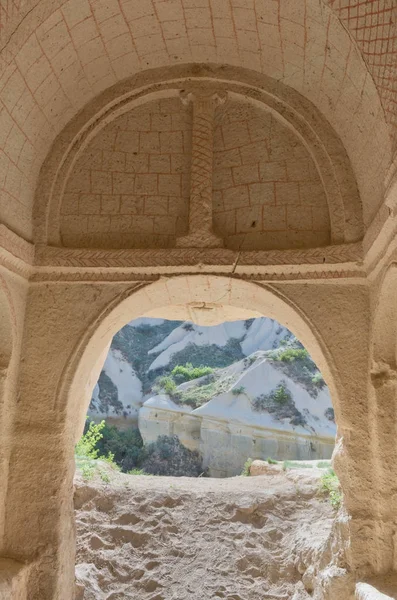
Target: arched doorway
{"points": [[64, 393], [203, 299]]}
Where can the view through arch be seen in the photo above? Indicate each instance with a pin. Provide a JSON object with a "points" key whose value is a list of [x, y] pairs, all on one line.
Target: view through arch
{"points": [[137, 535], [188, 400]]}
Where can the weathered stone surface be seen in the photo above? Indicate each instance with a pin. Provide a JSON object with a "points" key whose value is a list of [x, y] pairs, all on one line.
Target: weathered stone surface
{"points": [[96, 160], [13, 580], [262, 467]]}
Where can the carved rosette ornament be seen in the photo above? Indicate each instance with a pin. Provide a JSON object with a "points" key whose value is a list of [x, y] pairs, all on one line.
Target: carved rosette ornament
{"points": [[201, 234]]}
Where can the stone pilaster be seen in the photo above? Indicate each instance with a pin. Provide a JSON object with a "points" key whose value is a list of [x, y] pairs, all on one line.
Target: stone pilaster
{"points": [[201, 234]]}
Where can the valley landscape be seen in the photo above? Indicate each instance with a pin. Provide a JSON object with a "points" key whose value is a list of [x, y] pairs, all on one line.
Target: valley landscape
{"points": [[238, 390]]}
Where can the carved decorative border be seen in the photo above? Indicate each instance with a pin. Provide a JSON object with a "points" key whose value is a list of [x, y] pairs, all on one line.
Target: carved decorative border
{"points": [[128, 276], [50, 256], [49, 263]]}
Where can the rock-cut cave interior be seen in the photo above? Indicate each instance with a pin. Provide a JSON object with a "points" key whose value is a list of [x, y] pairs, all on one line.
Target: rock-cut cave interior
{"points": [[206, 161]]}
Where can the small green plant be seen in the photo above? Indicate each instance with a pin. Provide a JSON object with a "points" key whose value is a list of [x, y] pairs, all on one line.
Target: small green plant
{"points": [[271, 461], [109, 458], [87, 471], [238, 390], [167, 385], [123, 447], [104, 476], [330, 487], [292, 354], [182, 373], [282, 393], [318, 380], [246, 469], [86, 446], [137, 472]]}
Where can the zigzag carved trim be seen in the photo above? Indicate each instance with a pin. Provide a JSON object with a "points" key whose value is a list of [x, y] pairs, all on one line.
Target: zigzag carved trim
{"points": [[127, 277], [48, 256]]}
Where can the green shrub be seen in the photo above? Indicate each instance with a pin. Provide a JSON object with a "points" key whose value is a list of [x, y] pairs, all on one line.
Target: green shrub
{"points": [[297, 363], [282, 393], [125, 446], [330, 487], [246, 469], [292, 354], [278, 397], [238, 390], [201, 394], [104, 476], [271, 461], [86, 447], [210, 355], [167, 385], [318, 380], [87, 471], [182, 373], [168, 456]]}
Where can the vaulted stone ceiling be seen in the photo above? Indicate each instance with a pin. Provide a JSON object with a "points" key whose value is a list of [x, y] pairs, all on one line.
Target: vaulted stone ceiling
{"points": [[373, 24], [131, 185], [58, 56]]}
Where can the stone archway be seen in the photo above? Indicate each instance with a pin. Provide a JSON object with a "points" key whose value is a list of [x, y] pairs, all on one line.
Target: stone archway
{"points": [[80, 321], [206, 300], [203, 299], [383, 394]]}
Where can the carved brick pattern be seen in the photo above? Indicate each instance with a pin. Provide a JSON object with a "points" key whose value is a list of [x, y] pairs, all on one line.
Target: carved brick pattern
{"points": [[327, 255], [63, 257], [200, 216], [373, 24], [119, 277], [200, 206]]}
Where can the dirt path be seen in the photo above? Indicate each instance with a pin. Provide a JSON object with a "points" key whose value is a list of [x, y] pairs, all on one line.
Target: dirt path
{"points": [[163, 538]]}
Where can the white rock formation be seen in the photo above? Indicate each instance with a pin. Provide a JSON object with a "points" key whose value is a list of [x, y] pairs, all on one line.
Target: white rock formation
{"points": [[227, 429], [129, 391]]}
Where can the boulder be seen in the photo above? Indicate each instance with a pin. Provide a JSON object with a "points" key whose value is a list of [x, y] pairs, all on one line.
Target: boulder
{"points": [[261, 467]]}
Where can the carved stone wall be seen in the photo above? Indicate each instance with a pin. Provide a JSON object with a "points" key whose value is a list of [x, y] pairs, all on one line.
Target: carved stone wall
{"points": [[267, 190], [130, 188], [96, 166]]}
